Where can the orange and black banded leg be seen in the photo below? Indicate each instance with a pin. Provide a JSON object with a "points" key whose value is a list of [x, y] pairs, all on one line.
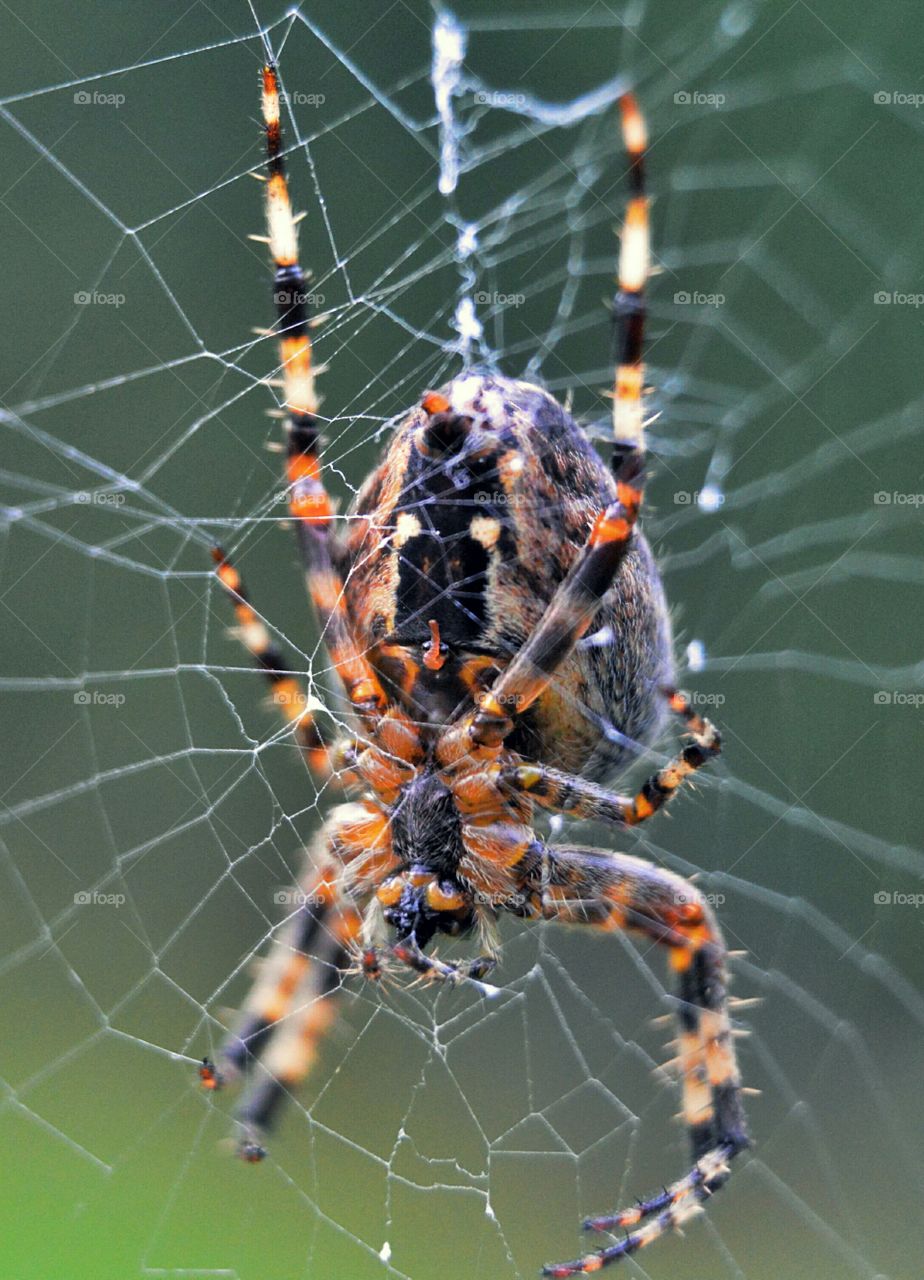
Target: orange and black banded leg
{"points": [[569, 614], [615, 891], [286, 689], [309, 503], [564, 793], [293, 999], [574, 605], [288, 1054], [281, 972], [629, 307], [290, 1006]]}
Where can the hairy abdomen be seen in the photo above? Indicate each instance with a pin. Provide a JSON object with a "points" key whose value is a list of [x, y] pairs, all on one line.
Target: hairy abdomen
{"points": [[478, 539]]}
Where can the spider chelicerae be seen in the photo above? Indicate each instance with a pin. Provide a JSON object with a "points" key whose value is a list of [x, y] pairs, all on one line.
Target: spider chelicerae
{"points": [[481, 551]]}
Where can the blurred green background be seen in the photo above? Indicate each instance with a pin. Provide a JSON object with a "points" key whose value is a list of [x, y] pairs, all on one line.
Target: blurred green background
{"points": [[141, 762]]}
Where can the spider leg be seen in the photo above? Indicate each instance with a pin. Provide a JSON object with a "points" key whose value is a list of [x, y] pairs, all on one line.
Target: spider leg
{"points": [[287, 1055], [577, 599], [629, 310], [472, 971], [309, 504], [293, 1000], [565, 793], [324, 759], [290, 958], [616, 891]]}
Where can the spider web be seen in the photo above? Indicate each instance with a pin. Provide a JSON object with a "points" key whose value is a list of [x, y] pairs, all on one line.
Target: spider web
{"points": [[462, 181]]}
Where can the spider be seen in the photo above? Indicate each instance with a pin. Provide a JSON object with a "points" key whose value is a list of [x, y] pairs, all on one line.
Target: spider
{"points": [[483, 548]]}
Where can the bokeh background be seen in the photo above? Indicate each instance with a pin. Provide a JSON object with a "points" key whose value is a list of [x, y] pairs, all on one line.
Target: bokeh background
{"points": [[141, 770]]}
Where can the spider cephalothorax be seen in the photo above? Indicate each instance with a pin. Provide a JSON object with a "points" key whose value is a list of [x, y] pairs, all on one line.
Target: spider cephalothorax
{"points": [[498, 624], [426, 897]]}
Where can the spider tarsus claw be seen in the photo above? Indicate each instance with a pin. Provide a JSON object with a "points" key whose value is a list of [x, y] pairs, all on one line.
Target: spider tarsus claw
{"points": [[209, 1075], [594, 1224], [251, 1151]]}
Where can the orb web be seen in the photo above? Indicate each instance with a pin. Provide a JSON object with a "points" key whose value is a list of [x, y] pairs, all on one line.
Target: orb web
{"points": [[462, 179]]}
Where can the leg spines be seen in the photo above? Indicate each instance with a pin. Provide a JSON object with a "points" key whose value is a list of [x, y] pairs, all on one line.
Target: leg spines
{"points": [[670, 912]]}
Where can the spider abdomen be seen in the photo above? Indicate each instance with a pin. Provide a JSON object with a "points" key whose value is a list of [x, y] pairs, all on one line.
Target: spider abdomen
{"points": [[480, 504]]}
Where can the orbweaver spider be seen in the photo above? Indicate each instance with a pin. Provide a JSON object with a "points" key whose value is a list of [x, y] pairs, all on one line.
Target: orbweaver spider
{"points": [[485, 545]]}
